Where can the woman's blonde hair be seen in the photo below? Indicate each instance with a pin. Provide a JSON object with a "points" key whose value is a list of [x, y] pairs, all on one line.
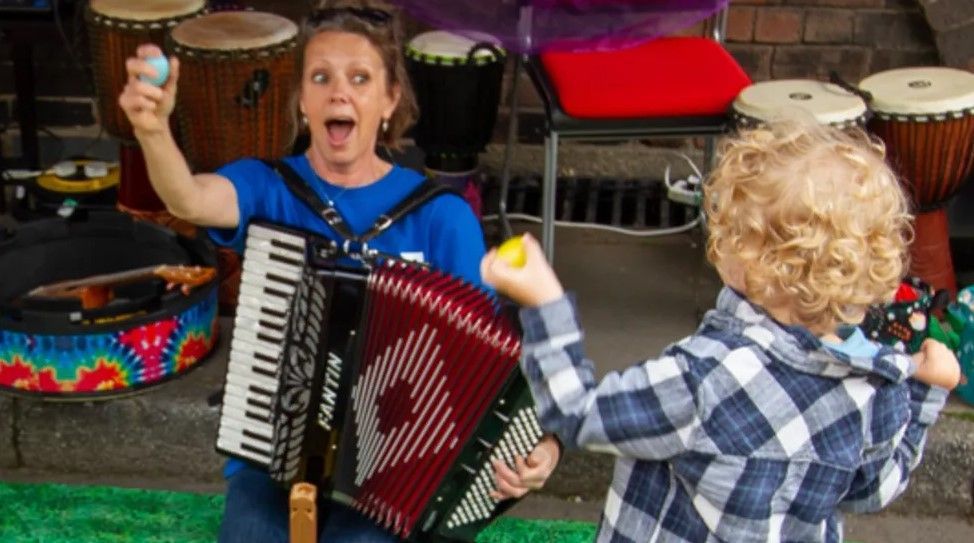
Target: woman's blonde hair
{"points": [[813, 218], [379, 23]]}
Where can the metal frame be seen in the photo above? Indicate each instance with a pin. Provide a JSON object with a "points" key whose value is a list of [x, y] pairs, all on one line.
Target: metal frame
{"points": [[562, 126]]}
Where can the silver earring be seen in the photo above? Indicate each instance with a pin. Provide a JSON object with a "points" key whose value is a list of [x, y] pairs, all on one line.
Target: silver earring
{"points": [[304, 120], [385, 125]]}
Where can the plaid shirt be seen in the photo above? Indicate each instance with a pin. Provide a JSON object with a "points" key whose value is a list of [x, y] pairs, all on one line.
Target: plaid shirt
{"points": [[744, 431]]}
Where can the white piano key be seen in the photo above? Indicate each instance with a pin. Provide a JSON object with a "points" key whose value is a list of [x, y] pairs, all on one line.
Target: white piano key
{"points": [[246, 341], [273, 255], [255, 379], [245, 363], [272, 323], [240, 404], [259, 395], [235, 443], [277, 290], [252, 295], [237, 419], [263, 268], [262, 333], [262, 233], [236, 406], [246, 396], [228, 446]]}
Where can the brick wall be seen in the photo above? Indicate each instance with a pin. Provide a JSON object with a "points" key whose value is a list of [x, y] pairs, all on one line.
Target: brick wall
{"points": [[952, 23], [776, 39]]}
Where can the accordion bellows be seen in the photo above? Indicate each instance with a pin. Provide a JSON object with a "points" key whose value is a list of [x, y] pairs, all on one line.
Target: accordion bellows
{"points": [[392, 387]]}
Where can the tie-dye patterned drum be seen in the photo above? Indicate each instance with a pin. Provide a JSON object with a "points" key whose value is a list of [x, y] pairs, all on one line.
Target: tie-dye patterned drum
{"points": [[138, 333]]}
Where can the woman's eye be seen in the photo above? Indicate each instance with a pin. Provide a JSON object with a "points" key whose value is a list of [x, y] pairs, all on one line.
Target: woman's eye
{"points": [[319, 78], [358, 79]]}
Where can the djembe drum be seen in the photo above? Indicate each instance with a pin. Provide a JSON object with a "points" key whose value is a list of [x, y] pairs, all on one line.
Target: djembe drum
{"points": [[457, 82], [925, 116], [236, 71], [826, 103], [115, 29]]}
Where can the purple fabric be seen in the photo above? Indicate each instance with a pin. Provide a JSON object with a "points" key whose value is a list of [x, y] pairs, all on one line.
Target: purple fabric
{"points": [[562, 24]]}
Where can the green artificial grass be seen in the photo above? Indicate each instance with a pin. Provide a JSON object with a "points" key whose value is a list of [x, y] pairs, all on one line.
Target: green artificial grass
{"points": [[515, 530], [61, 514], [49, 513]]}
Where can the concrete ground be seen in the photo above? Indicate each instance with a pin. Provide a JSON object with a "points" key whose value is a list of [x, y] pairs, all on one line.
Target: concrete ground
{"points": [[636, 295]]}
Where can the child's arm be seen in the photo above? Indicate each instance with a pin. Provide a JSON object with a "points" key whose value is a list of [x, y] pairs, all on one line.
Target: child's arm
{"points": [[936, 365], [887, 464], [647, 411]]}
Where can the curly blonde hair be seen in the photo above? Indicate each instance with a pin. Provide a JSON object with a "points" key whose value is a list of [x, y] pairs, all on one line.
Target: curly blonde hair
{"points": [[812, 218]]}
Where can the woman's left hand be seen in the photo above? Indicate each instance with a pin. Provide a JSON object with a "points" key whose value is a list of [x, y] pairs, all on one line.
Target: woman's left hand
{"points": [[531, 473]]}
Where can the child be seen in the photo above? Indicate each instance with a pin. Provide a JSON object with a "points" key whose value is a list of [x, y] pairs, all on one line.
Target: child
{"points": [[776, 414]]}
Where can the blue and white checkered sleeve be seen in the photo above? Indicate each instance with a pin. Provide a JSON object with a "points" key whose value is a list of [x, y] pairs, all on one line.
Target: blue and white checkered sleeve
{"points": [[646, 411], [887, 464]]}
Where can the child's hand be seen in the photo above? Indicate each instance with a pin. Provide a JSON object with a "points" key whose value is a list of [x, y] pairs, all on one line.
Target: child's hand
{"points": [[533, 284], [936, 365], [531, 473]]}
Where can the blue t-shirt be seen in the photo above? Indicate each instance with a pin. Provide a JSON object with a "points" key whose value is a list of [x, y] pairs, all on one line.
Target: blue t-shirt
{"points": [[444, 232]]}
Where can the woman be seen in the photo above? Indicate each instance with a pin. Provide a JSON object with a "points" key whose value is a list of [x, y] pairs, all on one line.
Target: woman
{"points": [[353, 93]]}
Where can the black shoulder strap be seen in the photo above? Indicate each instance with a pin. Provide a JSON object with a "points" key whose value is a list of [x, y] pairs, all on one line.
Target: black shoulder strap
{"points": [[426, 191], [303, 191]]}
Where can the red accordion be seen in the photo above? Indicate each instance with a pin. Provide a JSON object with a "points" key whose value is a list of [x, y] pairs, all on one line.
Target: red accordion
{"points": [[392, 387]]}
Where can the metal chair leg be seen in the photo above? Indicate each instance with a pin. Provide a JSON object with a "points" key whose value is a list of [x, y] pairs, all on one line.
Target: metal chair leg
{"points": [[548, 196], [709, 154], [509, 148]]}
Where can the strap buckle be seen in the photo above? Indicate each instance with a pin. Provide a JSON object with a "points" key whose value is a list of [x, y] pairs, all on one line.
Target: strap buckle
{"points": [[331, 216], [383, 222], [358, 249]]}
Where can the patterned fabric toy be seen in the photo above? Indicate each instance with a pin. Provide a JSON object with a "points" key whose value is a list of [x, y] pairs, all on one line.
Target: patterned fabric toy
{"points": [[907, 321]]}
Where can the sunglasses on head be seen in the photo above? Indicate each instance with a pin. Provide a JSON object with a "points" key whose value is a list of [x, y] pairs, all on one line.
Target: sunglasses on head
{"points": [[372, 16]]}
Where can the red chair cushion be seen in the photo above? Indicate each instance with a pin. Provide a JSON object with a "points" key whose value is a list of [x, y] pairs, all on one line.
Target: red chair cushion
{"points": [[666, 77]]}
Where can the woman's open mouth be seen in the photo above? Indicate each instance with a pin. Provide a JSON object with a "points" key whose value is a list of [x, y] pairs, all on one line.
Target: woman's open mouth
{"points": [[339, 130]]}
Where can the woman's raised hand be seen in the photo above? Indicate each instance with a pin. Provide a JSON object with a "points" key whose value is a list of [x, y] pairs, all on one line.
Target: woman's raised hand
{"points": [[147, 106]]}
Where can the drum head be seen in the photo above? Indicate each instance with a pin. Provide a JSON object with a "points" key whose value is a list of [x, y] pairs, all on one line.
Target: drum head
{"points": [[234, 30], [921, 91], [146, 11], [441, 47], [827, 103]]}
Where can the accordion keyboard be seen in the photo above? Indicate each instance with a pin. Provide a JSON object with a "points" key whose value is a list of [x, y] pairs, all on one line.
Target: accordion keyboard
{"points": [[272, 266]]}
